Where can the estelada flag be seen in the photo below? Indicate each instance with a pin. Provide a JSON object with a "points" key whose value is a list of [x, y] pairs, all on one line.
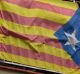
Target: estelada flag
{"points": [[39, 33]]}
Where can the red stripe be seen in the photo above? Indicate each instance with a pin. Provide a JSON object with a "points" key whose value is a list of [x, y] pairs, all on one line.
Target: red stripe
{"points": [[29, 21], [37, 56], [35, 4], [33, 38]]}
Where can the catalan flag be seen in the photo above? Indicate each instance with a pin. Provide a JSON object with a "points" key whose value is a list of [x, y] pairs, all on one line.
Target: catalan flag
{"points": [[31, 33]]}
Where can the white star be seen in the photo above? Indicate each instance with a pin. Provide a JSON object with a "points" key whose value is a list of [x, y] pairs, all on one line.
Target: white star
{"points": [[72, 40]]}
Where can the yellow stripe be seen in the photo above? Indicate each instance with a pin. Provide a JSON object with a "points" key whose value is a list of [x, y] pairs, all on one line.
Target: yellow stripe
{"points": [[64, 4], [36, 63], [32, 45], [32, 30], [44, 14]]}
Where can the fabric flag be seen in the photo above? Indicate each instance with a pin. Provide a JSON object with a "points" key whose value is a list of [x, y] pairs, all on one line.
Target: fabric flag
{"points": [[28, 29]]}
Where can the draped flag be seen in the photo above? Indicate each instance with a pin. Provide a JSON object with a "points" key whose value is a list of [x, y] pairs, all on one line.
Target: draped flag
{"points": [[39, 32]]}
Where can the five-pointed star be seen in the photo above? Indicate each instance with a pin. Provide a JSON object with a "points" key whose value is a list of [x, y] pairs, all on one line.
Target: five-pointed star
{"points": [[72, 40]]}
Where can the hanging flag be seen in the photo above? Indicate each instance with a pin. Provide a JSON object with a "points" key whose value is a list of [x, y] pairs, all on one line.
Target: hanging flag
{"points": [[28, 29]]}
